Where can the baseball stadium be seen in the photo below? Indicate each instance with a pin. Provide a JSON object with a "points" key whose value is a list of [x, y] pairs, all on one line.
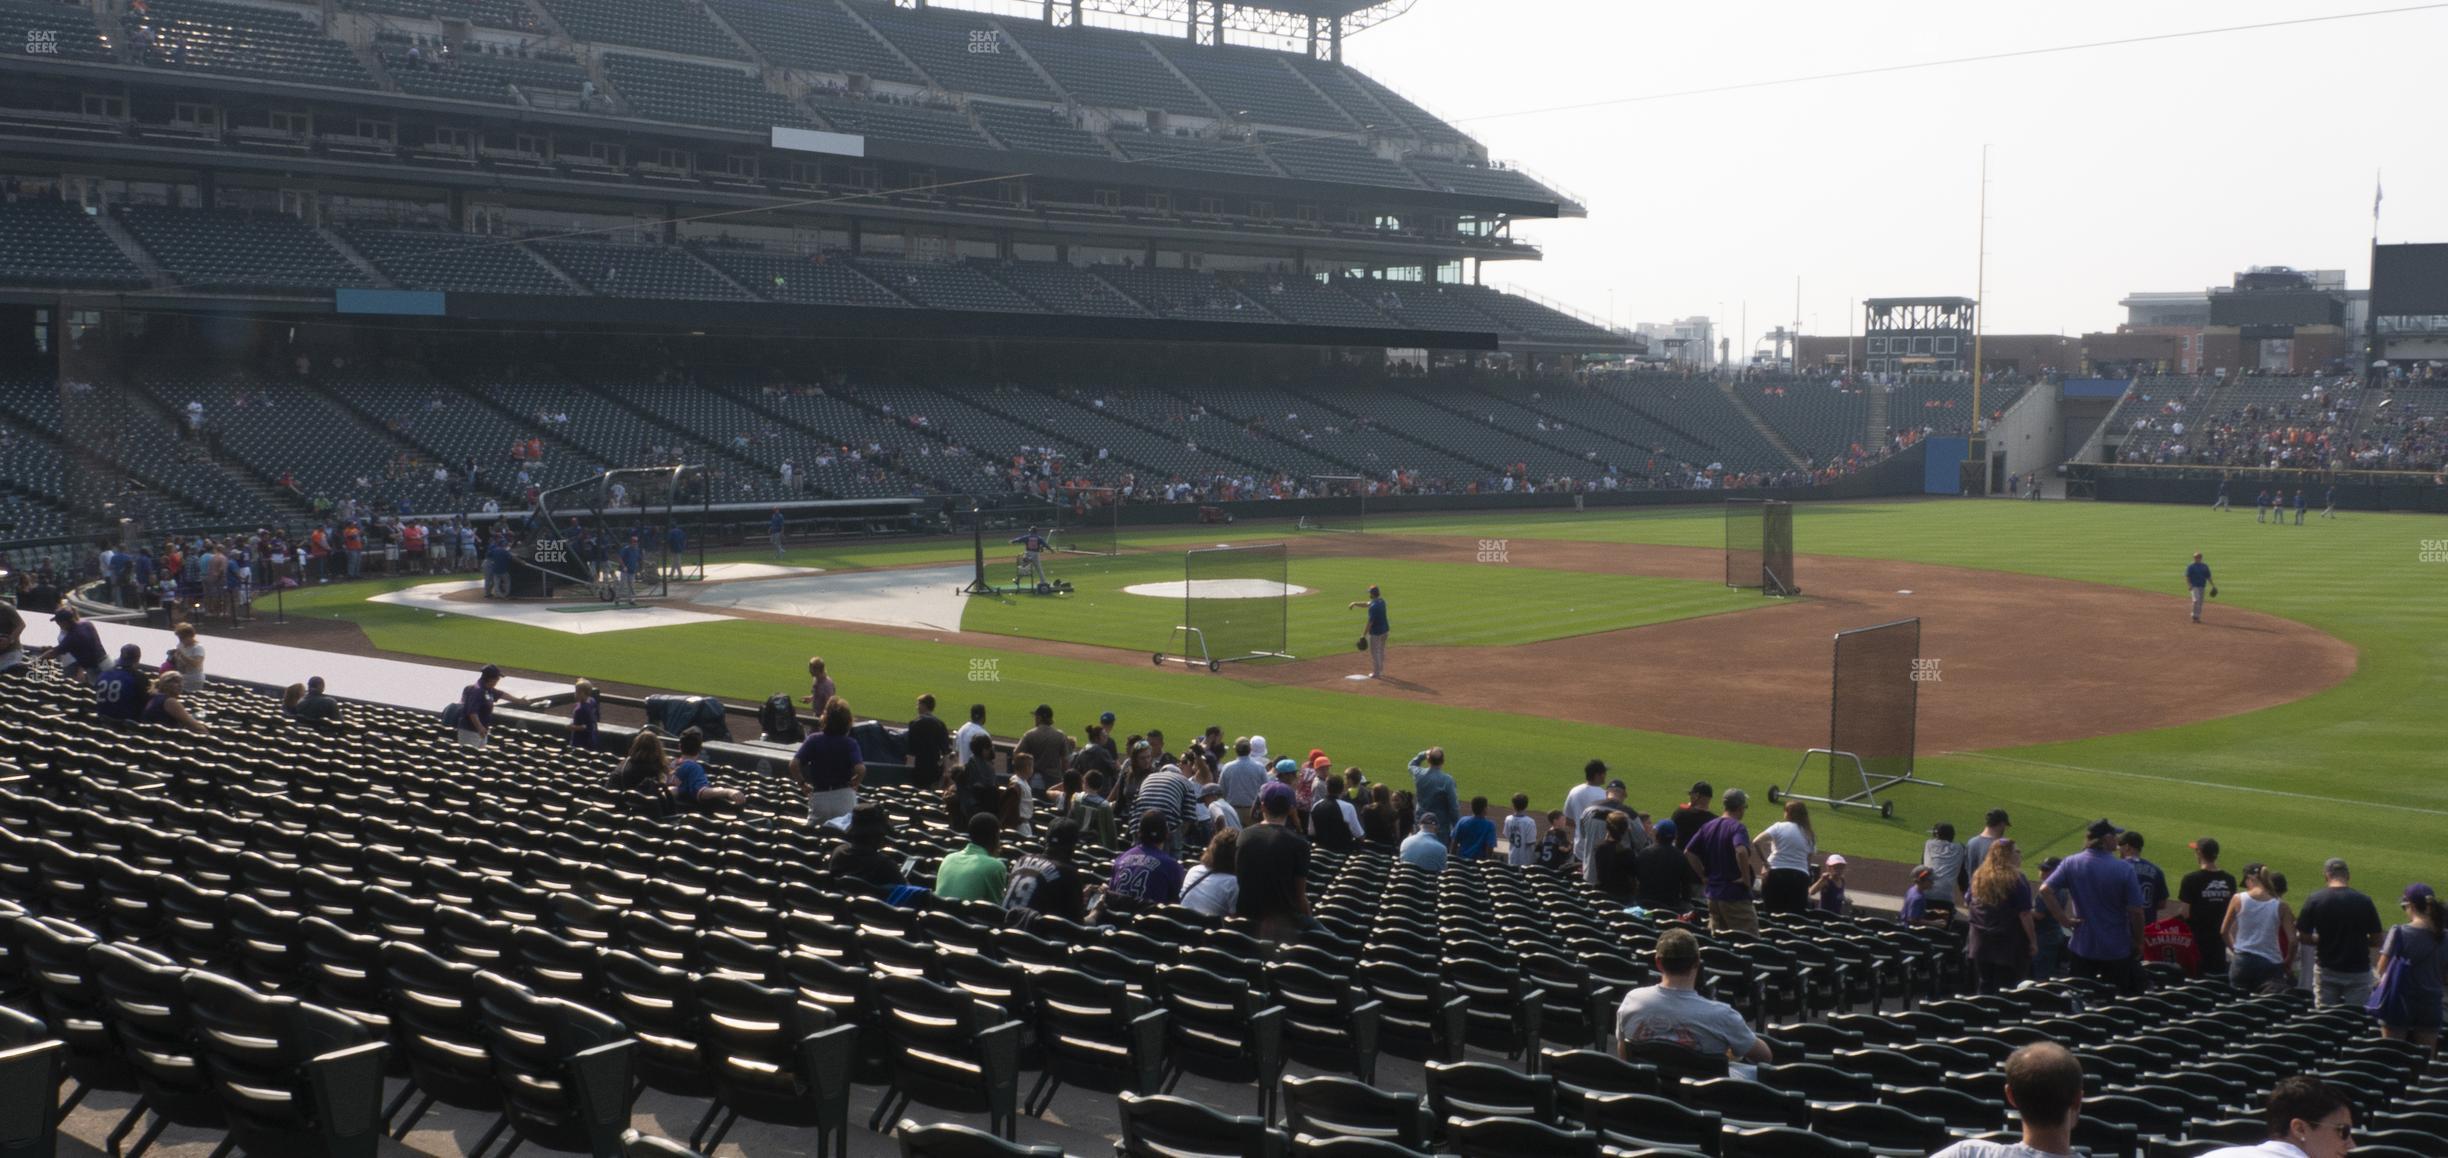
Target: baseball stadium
{"points": [[977, 577]]}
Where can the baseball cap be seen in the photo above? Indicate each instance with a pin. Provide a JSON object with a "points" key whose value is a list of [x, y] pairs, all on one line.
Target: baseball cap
{"points": [[1372, 589], [1665, 830], [64, 614], [1737, 798], [2207, 846], [1286, 767], [2417, 892], [1943, 830], [1677, 946], [1996, 816], [1703, 788], [490, 670], [1319, 761], [1427, 820], [1276, 791], [2100, 828], [2334, 866], [1210, 791], [1107, 718], [1258, 747], [1834, 858], [1615, 785], [1315, 755]]}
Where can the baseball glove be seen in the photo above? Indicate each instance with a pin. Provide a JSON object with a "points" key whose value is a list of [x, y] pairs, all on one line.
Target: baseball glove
{"points": [[2214, 591], [1362, 645]]}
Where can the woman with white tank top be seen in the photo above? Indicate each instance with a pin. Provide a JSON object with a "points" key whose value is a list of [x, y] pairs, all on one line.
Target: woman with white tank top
{"points": [[2255, 920]]}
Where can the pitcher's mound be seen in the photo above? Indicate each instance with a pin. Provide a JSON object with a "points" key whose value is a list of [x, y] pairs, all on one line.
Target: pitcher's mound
{"points": [[1216, 589]]}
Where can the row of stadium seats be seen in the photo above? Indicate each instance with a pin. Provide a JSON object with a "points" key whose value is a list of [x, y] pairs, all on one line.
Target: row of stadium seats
{"points": [[378, 436], [235, 249], [527, 956]]}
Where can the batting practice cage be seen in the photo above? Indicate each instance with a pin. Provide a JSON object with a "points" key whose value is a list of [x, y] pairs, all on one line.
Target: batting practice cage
{"points": [[574, 536], [1759, 546], [999, 559], [1235, 606], [1348, 512], [1872, 712], [1087, 521]]}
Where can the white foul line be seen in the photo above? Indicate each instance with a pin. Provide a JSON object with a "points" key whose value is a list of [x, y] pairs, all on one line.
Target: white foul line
{"points": [[2193, 783]]}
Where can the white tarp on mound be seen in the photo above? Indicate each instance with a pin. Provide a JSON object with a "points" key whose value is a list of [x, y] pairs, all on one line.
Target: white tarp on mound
{"points": [[1216, 589], [926, 597], [569, 616]]}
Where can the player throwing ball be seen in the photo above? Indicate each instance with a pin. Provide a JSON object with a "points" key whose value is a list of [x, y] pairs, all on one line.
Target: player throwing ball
{"points": [[2197, 580], [1031, 546]]}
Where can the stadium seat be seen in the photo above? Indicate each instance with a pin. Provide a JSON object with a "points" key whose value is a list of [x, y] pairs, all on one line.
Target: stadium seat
{"points": [[1168, 1127], [1341, 1107], [962, 1142], [940, 1052]]}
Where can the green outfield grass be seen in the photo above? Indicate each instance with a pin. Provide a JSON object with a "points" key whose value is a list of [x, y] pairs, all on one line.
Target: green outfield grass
{"points": [[1465, 604], [2348, 772]]}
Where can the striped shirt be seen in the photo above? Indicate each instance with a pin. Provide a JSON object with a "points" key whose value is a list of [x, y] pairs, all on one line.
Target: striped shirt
{"points": [[1169, 794]]}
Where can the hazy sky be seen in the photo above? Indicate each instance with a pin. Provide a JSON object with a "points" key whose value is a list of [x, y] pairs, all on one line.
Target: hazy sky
{"points": [[2160, 166]]}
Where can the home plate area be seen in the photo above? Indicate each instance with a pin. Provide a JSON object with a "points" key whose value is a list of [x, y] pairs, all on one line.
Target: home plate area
{"points": [[1216, 589]]}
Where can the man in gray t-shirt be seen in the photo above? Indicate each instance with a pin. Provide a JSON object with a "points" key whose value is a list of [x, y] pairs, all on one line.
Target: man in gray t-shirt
{"points": [[1674, 1011]]}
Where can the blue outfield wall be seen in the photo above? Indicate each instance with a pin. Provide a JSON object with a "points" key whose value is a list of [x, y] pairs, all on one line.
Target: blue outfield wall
{"points": [[1942, 469]]}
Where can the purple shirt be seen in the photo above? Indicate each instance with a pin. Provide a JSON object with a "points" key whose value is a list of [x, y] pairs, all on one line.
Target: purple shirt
{"points": [[476, 707], [826, 762], [1149, 874], [2098, 888], [1715, 844]]}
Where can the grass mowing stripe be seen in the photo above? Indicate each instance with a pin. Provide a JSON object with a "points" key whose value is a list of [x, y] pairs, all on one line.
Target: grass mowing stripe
{"points": [[2203, 784]]}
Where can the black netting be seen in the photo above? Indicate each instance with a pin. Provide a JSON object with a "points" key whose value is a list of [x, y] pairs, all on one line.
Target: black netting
{"points": [[1874, 704], [1237, 599], [1087, 523], [1776, 549], [1743, 521]]}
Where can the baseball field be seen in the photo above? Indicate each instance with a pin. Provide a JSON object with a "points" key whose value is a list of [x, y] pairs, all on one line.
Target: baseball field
{"points": [[2303, 720]]}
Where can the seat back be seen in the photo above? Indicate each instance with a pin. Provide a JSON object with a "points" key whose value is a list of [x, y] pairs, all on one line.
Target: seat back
{"points": [[962, 1142], [775, 1056], [1486, 1090], [564, 1070], [1511, 1137], [1635, 1121], [1160, 1126], [1341, 1107]]}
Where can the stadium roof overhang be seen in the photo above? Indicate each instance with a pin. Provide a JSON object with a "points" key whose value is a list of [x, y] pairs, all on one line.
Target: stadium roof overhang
{"points": [[980, 162]]}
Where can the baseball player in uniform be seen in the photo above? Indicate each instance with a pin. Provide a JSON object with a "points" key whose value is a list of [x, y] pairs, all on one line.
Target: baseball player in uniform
{"points": [[2261, 506], [2221, 504], [2299, 506], [1032, 545], [2197, 580], [2329, 504]]}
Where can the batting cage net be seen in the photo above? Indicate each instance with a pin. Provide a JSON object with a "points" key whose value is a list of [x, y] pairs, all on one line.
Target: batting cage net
{"points": [[1347, 513], [1743, 521], [1872, 711], [1087, 521], [1235, 605], [1776, 549]]}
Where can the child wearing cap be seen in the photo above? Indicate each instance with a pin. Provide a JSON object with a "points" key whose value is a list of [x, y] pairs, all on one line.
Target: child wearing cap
{"points": [[1827, 893]]}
